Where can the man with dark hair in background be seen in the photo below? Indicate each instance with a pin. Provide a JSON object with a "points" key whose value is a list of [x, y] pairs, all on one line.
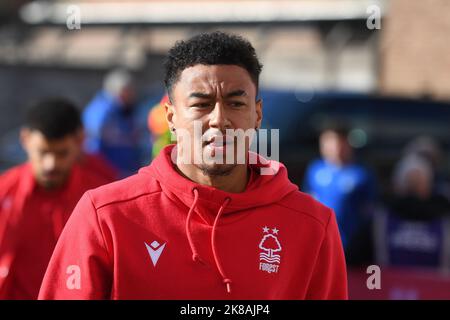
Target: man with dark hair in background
{"points": [[181, 229], [37, 197]]}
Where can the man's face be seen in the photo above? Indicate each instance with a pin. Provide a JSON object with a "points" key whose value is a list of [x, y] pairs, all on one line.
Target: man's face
{"points": [[218, 97], [127, 97], [51, 160], [335, 148], [419, 183]]}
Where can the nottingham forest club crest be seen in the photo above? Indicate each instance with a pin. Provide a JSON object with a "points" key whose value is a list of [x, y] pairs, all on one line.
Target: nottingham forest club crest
{"points": [[269, 257]]}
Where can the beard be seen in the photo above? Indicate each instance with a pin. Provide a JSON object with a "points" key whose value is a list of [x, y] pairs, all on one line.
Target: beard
{"points": [[57, 181], [218, 166], [214, 170]]}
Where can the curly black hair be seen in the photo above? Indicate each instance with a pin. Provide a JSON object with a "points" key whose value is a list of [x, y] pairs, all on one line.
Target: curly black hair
{"points": [[54, 117], [211, 49]]}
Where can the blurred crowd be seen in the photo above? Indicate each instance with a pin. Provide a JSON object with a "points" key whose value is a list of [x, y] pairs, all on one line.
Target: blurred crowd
{"points": [[408, 225]]}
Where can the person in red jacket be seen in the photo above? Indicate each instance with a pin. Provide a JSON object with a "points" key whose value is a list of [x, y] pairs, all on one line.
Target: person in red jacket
{"points": [[207, 229], [37, 197]]}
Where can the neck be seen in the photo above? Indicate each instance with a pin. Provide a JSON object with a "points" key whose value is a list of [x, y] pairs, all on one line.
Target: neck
{"points": [[234, 182]]}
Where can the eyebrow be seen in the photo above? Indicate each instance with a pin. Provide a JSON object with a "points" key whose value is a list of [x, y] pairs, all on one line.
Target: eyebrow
{"points": [[200, 95], [235, 93]]}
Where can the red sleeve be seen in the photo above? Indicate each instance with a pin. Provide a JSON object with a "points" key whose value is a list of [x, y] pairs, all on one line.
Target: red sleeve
{"points": [[329, 279], [80, 267]]}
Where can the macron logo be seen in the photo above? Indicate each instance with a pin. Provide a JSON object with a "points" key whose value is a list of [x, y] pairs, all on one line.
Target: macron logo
{"points": [[154, 250]]}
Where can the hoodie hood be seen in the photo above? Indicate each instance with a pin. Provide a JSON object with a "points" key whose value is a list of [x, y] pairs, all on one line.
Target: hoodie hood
{"points": [[261, 189], [210, 204]]}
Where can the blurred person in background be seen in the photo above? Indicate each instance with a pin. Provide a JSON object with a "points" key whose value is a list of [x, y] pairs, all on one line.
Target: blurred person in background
{"points": [[111, 123], [430, 149], [158, 127], [37, 197], [412, 228], [341, 183]]}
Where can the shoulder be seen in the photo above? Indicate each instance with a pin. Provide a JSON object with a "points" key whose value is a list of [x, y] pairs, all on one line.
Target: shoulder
{"points": [[124, 190], [360, 168], [97, 109], [362, 173], [316, 164], [11, 172], [307, 207], [12, 176]]}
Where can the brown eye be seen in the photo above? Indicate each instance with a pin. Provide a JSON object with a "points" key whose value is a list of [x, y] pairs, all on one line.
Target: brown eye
{"points": [[236, 104], [201, 105]]}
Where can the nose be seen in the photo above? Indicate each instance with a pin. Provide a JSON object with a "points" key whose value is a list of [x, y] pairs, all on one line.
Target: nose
{"points": [[218, 117], [49, 162]]}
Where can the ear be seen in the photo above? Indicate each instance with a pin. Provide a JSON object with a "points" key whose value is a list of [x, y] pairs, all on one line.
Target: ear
{"points": [[259, 114], [24, 137], [170, 114], [80, 136]]}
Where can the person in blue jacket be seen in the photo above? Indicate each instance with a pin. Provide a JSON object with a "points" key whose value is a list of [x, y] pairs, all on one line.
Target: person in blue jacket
{"points": [[340, 182], [111, 123]]}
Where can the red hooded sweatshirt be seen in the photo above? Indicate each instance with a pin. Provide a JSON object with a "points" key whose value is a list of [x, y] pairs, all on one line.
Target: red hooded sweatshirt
{"points": [[31, 220], [158, 235]]}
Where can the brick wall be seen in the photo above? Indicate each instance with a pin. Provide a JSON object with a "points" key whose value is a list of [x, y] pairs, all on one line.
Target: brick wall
{"points": [[415, 49]]}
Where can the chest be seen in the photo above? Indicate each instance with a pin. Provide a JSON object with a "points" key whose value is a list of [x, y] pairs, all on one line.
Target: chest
{"points": [[264, 255]]}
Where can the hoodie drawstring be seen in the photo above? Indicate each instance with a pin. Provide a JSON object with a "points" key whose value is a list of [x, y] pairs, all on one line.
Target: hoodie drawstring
{"points": [[225, 279], [195, 255]]}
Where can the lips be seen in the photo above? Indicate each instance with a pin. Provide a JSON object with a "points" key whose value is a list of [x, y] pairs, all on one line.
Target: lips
{"points": [[219, 141]]}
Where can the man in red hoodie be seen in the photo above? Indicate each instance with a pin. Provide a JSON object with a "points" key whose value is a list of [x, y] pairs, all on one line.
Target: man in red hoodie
{"points": [[210, 229], [36, 198]]}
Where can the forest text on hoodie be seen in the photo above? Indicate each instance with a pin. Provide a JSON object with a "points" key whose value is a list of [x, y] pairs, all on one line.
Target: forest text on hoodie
{"points": [[158, 235]]}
